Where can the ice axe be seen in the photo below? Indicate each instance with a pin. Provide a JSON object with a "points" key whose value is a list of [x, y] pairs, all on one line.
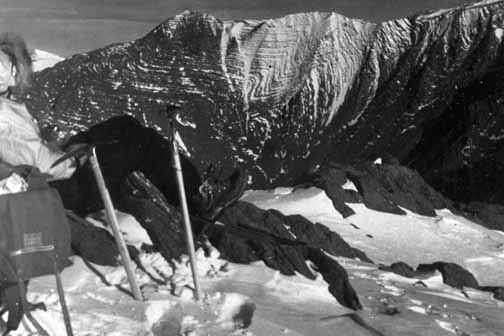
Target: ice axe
{"points": [[90, 151]]}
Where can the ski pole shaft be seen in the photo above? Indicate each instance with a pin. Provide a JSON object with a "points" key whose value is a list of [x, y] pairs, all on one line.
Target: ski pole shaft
{"points": [[61, 295], [185, 212], [112, 218]]}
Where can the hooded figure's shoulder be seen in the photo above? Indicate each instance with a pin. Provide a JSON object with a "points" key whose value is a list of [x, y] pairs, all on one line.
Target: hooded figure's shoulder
{"points": [[16, 114]]}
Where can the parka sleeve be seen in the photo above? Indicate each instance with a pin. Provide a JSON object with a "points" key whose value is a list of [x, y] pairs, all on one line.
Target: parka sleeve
{"points": [[46, 157], [20, 143]]}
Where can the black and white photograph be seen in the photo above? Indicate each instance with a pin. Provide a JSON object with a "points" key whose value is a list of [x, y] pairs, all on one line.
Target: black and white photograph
{"points": [[251, 168]]}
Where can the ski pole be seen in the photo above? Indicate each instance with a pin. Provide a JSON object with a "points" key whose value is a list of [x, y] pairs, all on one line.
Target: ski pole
{"points": [[61, 294], [112, 218], [185, 212]]}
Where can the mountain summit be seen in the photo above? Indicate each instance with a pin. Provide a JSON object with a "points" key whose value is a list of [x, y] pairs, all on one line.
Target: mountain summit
{"points": [[283, 96]]}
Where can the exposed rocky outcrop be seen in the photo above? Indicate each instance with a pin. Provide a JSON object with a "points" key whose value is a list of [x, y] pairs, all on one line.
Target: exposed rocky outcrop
{"points": [[498, 292], [386, 186], [308, 241], [162, 221], [294, 228], [453, 275], [337, 278], [284, 243], [141, 199], [489, 215], [94, 244], [280, 96], [400, 268]]}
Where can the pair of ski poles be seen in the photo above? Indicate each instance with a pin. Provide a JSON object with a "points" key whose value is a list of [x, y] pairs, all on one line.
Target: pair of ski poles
{"points": [[112, 218]]}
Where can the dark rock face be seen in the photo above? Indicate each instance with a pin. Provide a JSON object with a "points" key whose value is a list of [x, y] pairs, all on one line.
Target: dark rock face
{"points": [[281, 96], [93, 244], [489, 215], [319, 236], [400, 268], [285, 243], [292, 228], [471, 169], [497, 291], [337, 278], [383, 187], [141, 199], [250, 234], [286, 258], [331, 180], [453, 274], [162, 221]]}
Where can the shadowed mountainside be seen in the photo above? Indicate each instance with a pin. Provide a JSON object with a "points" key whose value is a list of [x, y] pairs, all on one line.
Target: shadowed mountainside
{"points": [[283, 96]]}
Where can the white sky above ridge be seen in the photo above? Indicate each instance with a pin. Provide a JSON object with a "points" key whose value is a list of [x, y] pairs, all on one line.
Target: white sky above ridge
{"points": [[66, 27]]}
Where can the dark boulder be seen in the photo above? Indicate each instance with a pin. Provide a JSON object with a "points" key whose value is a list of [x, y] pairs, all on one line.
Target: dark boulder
{"points": [[141, 199], [331, 181], [286, 258], [385, 187], [375, 195], [285, 243], [400, 268], [337, 278], [162, 221], [453, 274], [92, 243], [319, 236], [295, 228], [498, 292], [232, 248]]}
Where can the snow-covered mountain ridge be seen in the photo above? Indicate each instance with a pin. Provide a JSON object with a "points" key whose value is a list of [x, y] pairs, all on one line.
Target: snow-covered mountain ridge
{"points": [[282, 95], [43, 59]]}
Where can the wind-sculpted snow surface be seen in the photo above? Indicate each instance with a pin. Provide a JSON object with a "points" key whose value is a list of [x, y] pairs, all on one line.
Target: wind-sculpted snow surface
{"points": [[280, 96]]}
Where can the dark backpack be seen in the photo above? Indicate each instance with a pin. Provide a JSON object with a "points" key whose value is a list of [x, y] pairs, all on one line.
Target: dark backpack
{"points": [[30, 222]]}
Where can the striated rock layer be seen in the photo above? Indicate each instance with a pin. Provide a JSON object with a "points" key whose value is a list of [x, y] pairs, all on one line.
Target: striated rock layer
{"points": [[283, 96]]}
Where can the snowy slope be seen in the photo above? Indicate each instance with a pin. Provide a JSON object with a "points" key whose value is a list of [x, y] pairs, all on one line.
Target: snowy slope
{"points": [[43, 59], [412, 238], [393, 305]]}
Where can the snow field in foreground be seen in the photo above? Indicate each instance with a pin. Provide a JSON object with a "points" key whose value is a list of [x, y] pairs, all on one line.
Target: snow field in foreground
{"points": [[237, 296], [388, 238]]}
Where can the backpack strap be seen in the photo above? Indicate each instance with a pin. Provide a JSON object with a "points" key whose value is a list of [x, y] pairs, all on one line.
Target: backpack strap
{"points": [[14, 305], [10, 295], [13, 296]]}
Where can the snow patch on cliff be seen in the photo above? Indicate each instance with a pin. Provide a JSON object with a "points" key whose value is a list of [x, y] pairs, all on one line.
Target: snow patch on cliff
{"points": [[42, 59]]}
